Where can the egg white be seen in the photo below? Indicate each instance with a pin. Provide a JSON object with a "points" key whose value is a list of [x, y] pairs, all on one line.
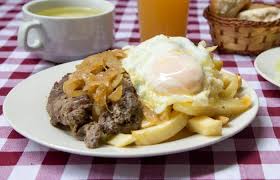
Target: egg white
{"points": [[139, 59]]}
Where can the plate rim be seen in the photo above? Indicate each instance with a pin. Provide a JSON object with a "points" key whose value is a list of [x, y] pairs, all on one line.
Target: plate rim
{"points": [[261, 73], [122, 155]]}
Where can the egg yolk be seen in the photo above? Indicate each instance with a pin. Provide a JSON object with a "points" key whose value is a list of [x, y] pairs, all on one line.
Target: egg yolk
{"points": [[176, 74]]}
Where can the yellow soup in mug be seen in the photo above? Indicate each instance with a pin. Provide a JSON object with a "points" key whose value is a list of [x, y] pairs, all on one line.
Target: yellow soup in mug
{"points": [[69, 12]]}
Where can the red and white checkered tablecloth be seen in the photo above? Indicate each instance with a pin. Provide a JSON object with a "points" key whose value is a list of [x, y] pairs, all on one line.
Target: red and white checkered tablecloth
{"points": [[254, 153]]}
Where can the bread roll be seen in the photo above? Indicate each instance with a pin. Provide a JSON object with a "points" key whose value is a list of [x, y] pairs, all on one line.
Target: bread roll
{"points": [[228, 8], [258, 5], [266, 14]]}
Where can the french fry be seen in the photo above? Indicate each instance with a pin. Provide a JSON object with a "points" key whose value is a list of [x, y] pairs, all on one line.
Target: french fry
{"points": [[160, 132], [150, 115], [224, 119], [218, 64], [121, 140], [165, 115], [205, 125], [211, 49], [226, 82], [145, 123], [239, 81], [231, 82], [224, 107], [152, 119]]}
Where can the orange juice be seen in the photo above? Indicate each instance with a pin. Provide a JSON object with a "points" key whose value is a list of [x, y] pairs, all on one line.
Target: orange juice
{"points": [[168, 17]]}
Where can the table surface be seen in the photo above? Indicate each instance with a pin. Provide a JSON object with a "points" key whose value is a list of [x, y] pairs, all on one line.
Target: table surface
{"points": [[254, 153]]}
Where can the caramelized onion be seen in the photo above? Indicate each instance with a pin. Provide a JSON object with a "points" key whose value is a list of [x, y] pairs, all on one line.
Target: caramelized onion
{"points": [[99, 76], [116, 95]]}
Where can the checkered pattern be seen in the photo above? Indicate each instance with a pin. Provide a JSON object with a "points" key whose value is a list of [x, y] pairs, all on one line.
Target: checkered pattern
{"points": [[254, 153]]}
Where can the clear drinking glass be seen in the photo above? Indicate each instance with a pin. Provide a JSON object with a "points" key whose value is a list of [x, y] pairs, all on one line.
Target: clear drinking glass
{"points": [[168, 17]]}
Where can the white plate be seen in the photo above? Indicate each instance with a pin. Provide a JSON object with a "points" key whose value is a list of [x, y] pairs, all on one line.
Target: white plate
{"points": [[266, 65], [25, 109]]}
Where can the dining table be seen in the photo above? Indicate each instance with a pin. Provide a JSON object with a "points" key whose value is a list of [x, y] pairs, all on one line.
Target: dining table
{"points": [[253, 153]]}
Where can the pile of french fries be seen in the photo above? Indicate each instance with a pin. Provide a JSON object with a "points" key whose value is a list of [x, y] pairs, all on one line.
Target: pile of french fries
{"points": [[206, 120]]}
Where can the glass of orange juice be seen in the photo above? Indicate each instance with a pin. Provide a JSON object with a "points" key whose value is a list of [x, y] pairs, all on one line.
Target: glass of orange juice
{"points": [[168, 17]]}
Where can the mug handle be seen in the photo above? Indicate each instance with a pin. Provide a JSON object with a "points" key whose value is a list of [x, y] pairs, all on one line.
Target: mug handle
{"points": [[23, 35]]}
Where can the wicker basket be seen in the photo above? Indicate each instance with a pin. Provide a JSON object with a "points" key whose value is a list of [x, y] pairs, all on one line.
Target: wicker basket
{"points": [[240, 36]]}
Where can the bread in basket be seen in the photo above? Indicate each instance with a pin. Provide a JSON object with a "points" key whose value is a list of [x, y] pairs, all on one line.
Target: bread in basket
{"points": [[233, 35]]}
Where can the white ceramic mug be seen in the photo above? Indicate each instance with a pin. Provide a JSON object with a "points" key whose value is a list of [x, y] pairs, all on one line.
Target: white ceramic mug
{"points": [[62, 39]]}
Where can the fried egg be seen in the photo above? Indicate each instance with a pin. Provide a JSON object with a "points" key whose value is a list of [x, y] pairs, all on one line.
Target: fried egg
{"points": [[168, 70]]}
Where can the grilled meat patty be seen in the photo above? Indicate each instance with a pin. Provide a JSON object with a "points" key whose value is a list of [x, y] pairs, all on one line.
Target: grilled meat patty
{"points": [[76, 113], [72, 112]]}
